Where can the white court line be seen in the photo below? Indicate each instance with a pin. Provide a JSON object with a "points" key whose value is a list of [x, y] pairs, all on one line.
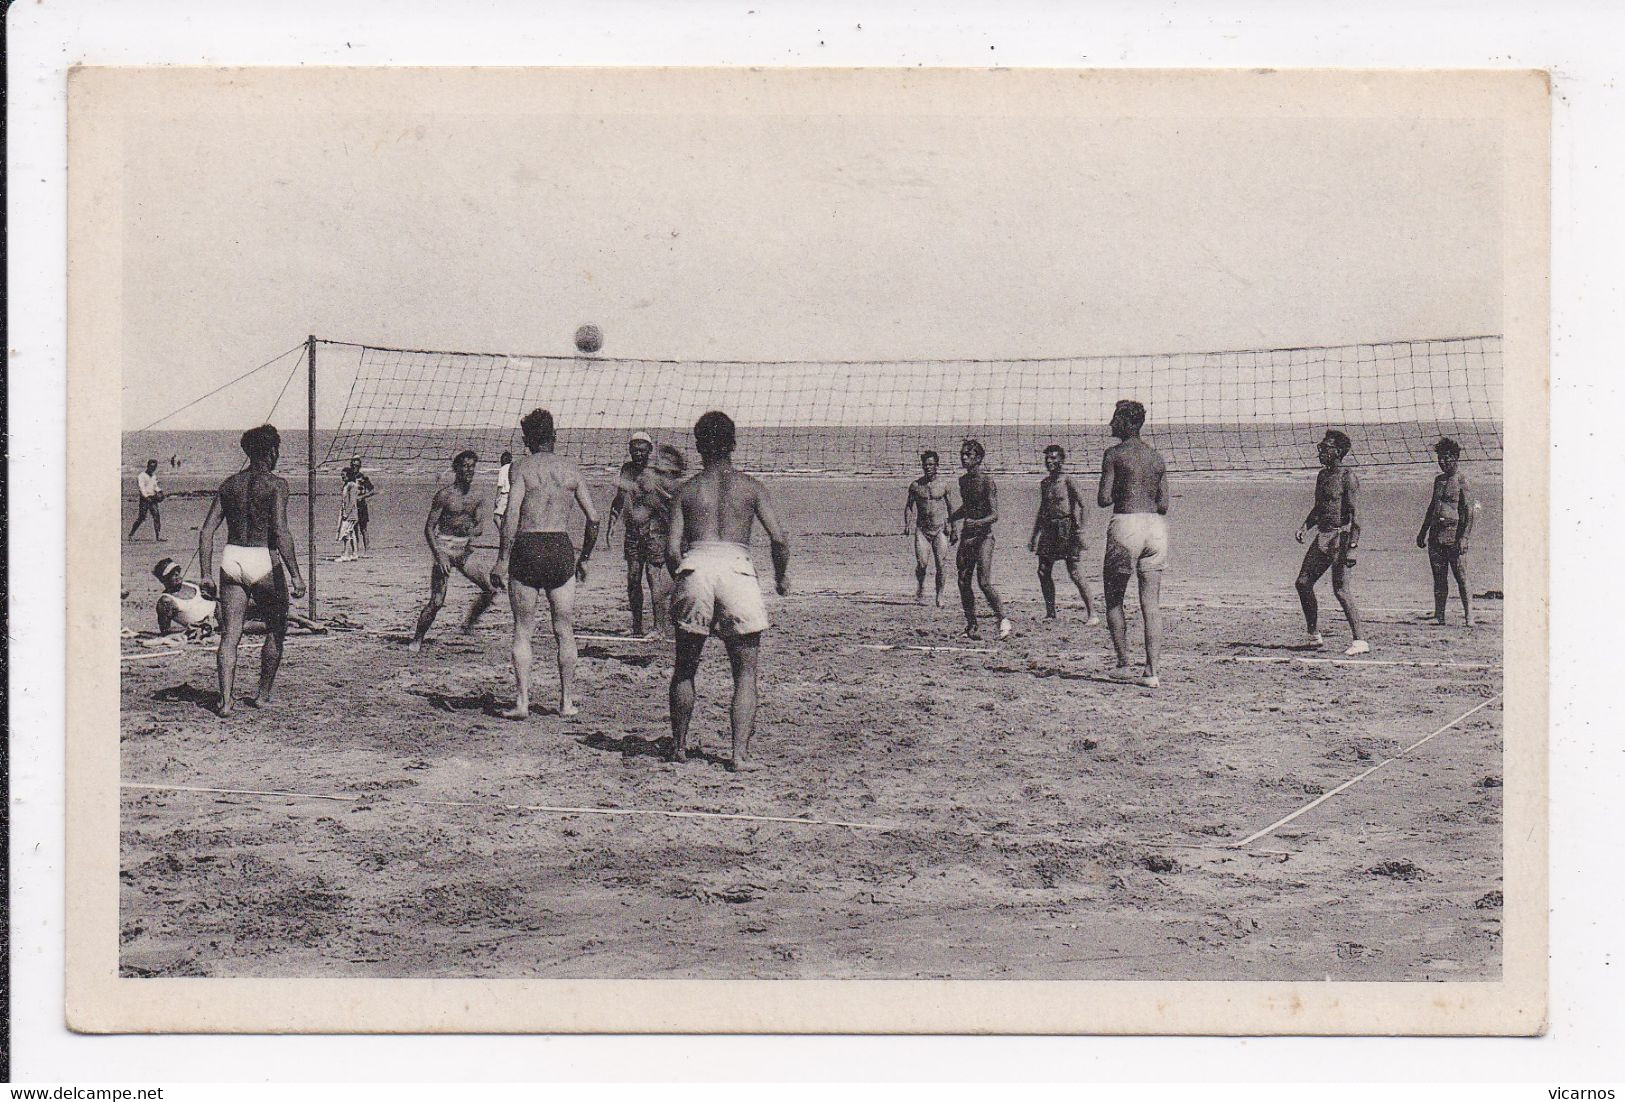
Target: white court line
{"points": [[614, 639], [543, 808], [1266, 659], [1312, 804], [926, 649]]}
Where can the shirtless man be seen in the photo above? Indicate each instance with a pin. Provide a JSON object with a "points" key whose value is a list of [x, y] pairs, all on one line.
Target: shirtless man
{"points": [[258, 563], [925, 518], [538, 557], [349, 528], [716, 591], [1134, 486], [1335, 524], [646, 497], [978, 512], [1445, 525], [1058, 532], [456, 518]]}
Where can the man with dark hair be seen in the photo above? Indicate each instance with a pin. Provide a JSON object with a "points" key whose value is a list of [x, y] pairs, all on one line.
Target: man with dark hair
{"points": [[646, 497], [1058, 532], [1445, 525], [925, 518], [1334, 520], [149, 495], [456, 518], [500, 512], [364, 492], [716, 591], [978, 512], [1134, 486], [538, 557], [258, 563]]}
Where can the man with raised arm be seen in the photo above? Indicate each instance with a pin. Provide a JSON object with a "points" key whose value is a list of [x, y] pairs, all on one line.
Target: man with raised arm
{"points": [[925, 518], [1445, 525], [1058, 532], [257, 565], [978, 512], [537, 555], [646, 498], [716, 591], [456, 519], [1334, 523], [1134, 486]]}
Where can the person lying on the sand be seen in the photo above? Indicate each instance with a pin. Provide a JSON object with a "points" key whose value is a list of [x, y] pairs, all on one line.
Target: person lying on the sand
{"points": [[1134, 485], [716, 591], [456, 517], [537, 556], [1334, 520], [258, 565], [191, 610]]}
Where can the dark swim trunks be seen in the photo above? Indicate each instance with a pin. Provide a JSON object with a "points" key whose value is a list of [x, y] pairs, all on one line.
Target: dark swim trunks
{"points": [[542, 560]]}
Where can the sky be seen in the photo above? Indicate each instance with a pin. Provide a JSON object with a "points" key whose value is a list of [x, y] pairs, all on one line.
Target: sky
{"points": [[812, 224]]}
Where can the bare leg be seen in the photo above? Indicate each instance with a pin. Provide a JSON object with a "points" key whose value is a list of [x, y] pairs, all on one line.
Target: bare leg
{"points": [[742, 656], [1083, 587], [967, 592], [233, 611], [482, 600], [920, 541], [689, 647], [523, 600], [634, 595], [1046, 585], [437, 600], [939, 552], [1343, 587], [1462, 588], [1116, 586], [984, 576], [157, 525], [276, 629], [1314, 565], [1151, 613], [1441, 586], [660, 597], [561, 602]]}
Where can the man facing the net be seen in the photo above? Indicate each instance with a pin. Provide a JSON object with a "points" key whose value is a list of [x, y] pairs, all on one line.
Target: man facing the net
{"points": [[1445, 525], [978, 512], [1058, 532], [1134, 486], [538, 557], [1334, 522], [456, 518], [715, 590], [925, 519], [646, 499]]}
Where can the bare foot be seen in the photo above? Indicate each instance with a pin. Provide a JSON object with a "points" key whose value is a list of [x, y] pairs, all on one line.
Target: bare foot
{"points": [[568, 708], [746, 766], [223, 709], [1051, 615], [518, 711], [939, 600], [677, 754], [258, 701], [415, 646]]}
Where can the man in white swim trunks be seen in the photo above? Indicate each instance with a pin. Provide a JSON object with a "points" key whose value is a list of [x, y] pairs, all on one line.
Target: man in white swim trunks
{"points": [[258, 564], [925, 520], [1134, 486], [456, 517], [1335, 523], [538, 557], [149, 495], [716, 591]]}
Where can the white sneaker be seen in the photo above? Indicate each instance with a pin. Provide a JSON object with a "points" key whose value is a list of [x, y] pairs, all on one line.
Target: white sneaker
{"points": [[1150, 681], [1359, 646], [1005, 628], [1314, 640]]}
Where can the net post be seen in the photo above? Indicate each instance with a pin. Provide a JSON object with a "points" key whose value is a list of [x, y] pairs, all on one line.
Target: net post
{"points": [[310, 473]]}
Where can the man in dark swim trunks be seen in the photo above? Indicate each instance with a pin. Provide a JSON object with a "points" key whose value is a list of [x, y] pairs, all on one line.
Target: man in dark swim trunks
{"points": [[1335, 528], [538, 557], [645, 496], [257, 563], [1445, 525], [1058, 532], [978, 512]]}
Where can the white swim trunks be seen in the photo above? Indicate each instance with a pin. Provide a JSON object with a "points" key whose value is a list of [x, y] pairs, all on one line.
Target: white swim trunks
{"points": [[452, 546], [246, 566], [717, 592], [1136, 541]]}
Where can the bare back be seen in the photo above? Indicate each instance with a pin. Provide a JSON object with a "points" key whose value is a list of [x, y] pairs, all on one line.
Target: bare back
{"points": [[251, 501], [1134, 478], [550, 485], [720, 503]]}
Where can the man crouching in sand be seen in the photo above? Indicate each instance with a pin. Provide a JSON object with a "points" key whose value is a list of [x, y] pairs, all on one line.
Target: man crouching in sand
{"points": [[716, 592]]}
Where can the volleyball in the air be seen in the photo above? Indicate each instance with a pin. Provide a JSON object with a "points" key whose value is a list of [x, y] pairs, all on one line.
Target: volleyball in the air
{"points": [[589, 338]]}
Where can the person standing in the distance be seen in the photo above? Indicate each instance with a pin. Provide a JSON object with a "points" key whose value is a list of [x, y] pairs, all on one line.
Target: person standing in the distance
{"points": [[349, 529], [978, 512], [456, 518], [499, 511], [258, 564], [537, 556], [716, 591], [1445, 526], [1334, 523], [149, 494], [1134, 486], [1058, 532], [647, 504], [365, 491], [925, 520]]}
